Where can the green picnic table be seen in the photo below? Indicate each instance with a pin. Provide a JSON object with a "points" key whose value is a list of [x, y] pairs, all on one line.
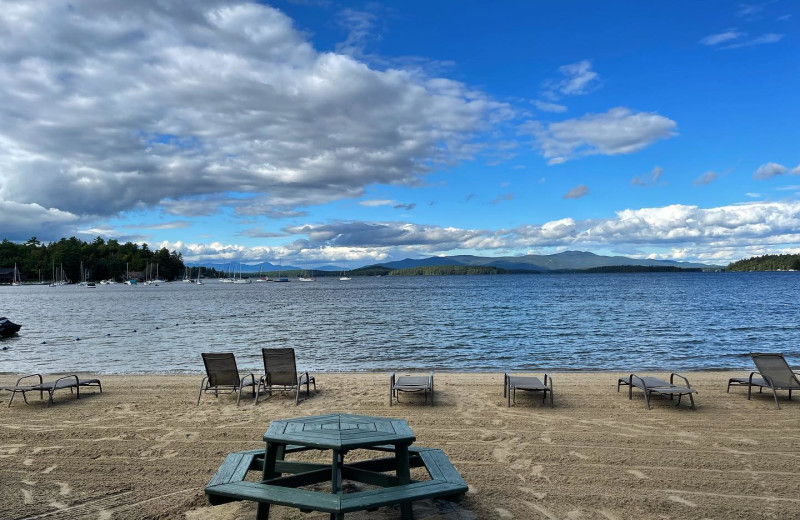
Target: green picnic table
{"points": [[390, 476]]}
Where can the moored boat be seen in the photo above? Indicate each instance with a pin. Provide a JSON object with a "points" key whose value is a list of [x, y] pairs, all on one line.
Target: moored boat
{"points": [[7, 327]]}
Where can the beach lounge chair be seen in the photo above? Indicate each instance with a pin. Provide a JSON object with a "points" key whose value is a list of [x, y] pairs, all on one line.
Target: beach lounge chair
{"points": [[222, 374], [280, 374], [512, 383], [653, 385], [410, 384], [73, 382], [775, 372]]}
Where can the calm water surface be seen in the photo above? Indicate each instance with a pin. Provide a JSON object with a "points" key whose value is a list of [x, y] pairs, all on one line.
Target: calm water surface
{"points": [[559, 322]]}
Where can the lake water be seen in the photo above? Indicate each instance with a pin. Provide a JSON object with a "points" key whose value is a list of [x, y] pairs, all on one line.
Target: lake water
{"points": [[661, 321]]}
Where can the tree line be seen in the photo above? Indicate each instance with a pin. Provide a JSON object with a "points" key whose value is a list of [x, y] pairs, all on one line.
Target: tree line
{"points": [[767, 263], [102, 260]]}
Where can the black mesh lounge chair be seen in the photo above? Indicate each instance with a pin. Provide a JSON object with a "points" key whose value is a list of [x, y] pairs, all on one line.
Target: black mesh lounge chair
{"points": [[654, 385], [280, 373], [512, 383], [410, 384], [73, 382], [775, 372], [222, 374]]}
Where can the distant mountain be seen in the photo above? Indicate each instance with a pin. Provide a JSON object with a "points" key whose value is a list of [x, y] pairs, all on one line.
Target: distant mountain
{"points": [[566, 261]]}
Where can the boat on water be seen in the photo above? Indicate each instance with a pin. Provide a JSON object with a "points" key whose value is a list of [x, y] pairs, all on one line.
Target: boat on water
{"points": [[17, 279], [8, 327], [91, 285], [343, 277], [240, 279]]}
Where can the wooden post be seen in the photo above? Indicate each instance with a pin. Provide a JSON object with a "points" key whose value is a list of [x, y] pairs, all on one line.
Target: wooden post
{"points": [[404, 474]]}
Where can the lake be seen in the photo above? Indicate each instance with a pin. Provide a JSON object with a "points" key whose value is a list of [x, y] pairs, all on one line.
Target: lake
{"points": [[639, 321]]}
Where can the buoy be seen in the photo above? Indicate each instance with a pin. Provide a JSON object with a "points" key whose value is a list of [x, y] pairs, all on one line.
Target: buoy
{"points": [[156, 328], [5, 348], [108, 334], [44, 343], [134, 330], [77, 339]]}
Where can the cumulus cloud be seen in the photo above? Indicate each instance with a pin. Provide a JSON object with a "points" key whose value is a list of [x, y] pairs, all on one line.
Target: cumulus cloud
{"points": [[705, 178], [108, 107], [577, 192], [618, 131], [769, 170]]}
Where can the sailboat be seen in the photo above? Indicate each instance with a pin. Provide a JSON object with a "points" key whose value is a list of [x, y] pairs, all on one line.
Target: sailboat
{"points": [[199, 281], [240, 279], [128, 279], [301, 278], [343, 277], [261, 277], [17, 279], [187, 276], [82, 283]]}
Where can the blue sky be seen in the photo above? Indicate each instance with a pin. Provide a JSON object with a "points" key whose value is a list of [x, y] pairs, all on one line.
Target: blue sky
{"points": [[351, 132]]}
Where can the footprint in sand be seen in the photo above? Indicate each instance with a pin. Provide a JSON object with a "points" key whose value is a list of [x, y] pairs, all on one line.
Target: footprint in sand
{"points": [[683, 501], [10, 449], [27, 462], [531, 491], [579, 455], [40, 449], [545, 438], [27, 496], [57, 505], [49, 469], [538, 472], [64, 488], [503, 513], [638, 474]]}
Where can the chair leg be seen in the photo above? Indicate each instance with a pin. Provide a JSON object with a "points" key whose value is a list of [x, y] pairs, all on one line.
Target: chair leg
{"points": [[238, 395], [691, 400], [749, 391], [202, 383], [775, 395], [728, 390], [647, 400]]}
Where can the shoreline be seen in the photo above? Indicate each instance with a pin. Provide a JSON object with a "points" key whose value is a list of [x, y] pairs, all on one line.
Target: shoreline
{"points": [[143, 448]]}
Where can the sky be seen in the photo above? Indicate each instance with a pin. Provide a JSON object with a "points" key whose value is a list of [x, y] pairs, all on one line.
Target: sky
{"points": [[352, 133]]}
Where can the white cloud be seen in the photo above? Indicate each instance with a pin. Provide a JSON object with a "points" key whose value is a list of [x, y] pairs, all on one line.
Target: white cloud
{"points": [[759, 40], [618, 131], [716, 235], [577, 192], [578, 79], [549, 107], [769, 170], [716, 39], [107, 107], [371, 203], [705, 178]]}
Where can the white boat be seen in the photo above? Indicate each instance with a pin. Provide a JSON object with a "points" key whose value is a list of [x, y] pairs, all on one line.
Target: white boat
{"points": [[82, 283], [199, 281], [16, 278], [262, 278], [128, 279], [311, 278], [343, 277], [186, 275], [240, 279]]}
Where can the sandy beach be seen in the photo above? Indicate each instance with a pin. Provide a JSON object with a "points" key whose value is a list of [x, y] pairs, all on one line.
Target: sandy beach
{"points": [[144, 449]]}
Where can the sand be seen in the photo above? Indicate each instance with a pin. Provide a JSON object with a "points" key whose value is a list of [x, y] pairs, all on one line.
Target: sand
{"points": [[144, 449]]}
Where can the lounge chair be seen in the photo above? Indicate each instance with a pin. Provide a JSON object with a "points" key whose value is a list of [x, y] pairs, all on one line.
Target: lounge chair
{"points": [[73, 382], [775, 372], [512, 383], [280, 374], [223, 374], [410, 384], [653, 385]]}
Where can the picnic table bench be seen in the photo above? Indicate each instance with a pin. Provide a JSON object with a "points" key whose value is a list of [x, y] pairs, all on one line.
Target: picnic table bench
{"points": [[340, 434]]}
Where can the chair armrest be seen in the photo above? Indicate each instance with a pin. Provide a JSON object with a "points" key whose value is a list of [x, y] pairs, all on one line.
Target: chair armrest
{"points": [[251, 376], [674, 375], [644, 385], [549, 379], [26, 377], [77, 381], [430, 381]]}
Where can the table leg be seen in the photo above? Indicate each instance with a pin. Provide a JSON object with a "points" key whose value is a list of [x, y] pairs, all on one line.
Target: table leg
{"points": [[404, 474], [336, 479], [270, 456]]}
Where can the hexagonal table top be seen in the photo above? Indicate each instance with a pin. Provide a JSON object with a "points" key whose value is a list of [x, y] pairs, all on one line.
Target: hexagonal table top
{"points": [[339, 431]]}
